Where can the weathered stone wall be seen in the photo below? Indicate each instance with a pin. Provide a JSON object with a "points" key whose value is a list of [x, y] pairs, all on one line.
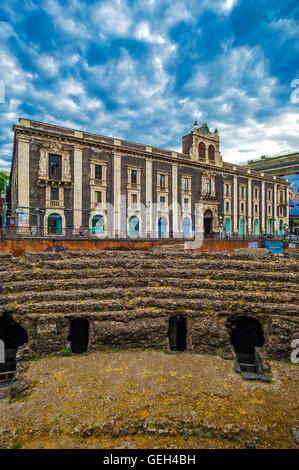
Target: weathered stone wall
{"points": [[129, 296]]}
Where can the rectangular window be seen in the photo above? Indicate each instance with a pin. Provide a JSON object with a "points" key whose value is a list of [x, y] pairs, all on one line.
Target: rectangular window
{"points": [[242, 207], [162, 181], [98, 172], [54, 194], [134, 198], [133, 176], [281, 196], [256, 193], [255, 208], [162, 200], [208, 185], [269, 210], [98, 197], [269, 194], [227, 206], [186, 203], [186, 184], [227, 189], [54, 167], [242, 191]]}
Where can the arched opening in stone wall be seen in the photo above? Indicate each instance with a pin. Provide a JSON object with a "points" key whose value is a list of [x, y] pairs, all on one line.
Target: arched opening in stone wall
{"points": [[12, 335], [177, 333], [78, 337], [245, 334]]}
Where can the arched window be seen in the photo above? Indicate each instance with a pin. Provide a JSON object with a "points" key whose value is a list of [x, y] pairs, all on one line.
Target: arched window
{"points": [[55, 224], [202, 151], [98, 224], [162, 227], [211, 152], [186, 227], [133, 227]]}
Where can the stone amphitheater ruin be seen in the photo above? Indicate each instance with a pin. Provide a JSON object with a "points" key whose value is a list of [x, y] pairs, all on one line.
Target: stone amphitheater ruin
{"points": [[237, 304]]}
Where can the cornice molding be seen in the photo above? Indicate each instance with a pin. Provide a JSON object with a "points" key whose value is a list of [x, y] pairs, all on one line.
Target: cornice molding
{"points": [[27, 133]]}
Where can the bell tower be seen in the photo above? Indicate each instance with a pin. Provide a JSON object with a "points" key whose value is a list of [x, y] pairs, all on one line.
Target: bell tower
{"points": [[202, 145]]}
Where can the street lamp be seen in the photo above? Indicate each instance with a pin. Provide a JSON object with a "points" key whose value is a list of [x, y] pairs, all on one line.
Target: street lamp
{"points": [[2, 197]]}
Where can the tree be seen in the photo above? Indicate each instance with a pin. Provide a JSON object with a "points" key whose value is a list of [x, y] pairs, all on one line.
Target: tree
{"points": [[3, 176]]}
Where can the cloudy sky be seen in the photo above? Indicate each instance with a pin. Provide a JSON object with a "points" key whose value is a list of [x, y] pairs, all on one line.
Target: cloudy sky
{"points": [[144, 70]]}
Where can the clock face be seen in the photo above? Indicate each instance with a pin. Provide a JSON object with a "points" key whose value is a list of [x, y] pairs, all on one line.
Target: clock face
{"points": [[206, 130]]}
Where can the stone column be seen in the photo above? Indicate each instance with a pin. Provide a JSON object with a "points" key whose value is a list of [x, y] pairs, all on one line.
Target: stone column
{"points": [[175, 212], [77, 187], [23, 182], [263, 207], [249, 206], [117, 193], [236, 202], [149, 196]]}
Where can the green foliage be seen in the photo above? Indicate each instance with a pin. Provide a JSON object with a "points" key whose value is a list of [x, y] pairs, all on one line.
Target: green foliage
{"points": [[16, 445], [3, 177], [65, 351]]}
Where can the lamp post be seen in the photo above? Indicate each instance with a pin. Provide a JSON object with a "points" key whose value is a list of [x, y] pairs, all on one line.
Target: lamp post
{"points": [[2, 196], [221, 226]]}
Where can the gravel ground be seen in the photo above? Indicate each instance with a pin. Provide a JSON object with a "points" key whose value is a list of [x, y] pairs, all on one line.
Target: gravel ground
{"points": [[149, 399]]}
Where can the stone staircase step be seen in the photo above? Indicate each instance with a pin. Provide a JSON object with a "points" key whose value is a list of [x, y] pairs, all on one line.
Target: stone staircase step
{"points": [[251, 376], [159, 273], [203, 305], [129, 263], [125, 282], [247, 367], [114, 292]]}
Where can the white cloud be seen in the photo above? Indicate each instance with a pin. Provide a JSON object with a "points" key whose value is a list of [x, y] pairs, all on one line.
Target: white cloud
{"points": [[143, 33], [228, 5], [112, 18]]}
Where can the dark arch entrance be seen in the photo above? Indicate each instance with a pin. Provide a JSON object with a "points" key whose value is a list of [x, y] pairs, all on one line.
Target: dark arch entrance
{"points": [[208, 221], [79, 332], [245, 333], [13, 336], [177, 333]]}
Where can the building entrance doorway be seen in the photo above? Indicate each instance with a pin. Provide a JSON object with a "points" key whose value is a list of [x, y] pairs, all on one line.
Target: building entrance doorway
{"points": [[208, 221], [78, 337], [177, 333], [162, 227], [12, 335], [54, 224], [245, 334]]}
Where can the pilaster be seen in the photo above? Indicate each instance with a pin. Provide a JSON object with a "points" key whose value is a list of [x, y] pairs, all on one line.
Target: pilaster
{"points": [[77, 187]]}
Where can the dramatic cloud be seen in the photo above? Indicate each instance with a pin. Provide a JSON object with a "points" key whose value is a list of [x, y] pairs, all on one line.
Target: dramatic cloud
{"points": [[144, 70]]}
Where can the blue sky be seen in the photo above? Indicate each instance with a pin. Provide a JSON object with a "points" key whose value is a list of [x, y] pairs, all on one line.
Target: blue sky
{"points": [[144, 70]]}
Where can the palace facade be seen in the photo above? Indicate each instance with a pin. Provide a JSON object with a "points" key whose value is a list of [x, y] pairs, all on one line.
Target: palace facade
{"points": [[65, 181]]}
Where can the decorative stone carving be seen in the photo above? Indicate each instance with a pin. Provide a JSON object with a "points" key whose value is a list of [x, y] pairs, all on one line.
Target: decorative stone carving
{"points": [[43, 166]]}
